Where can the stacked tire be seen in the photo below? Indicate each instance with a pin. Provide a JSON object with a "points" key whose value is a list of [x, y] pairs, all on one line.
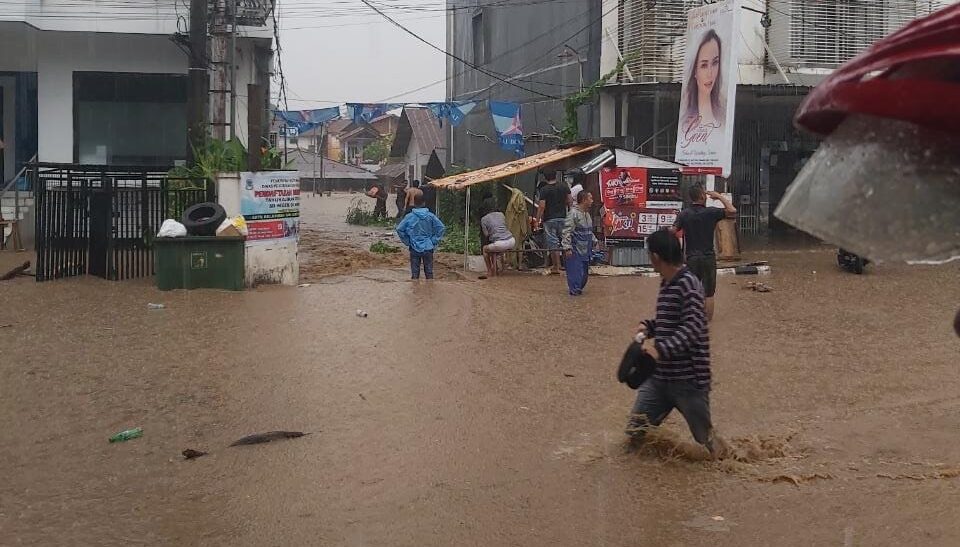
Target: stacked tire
{"points": [[203, 219]]}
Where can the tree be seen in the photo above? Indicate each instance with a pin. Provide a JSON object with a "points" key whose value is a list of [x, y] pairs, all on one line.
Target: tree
{"points": [[378, 150]]}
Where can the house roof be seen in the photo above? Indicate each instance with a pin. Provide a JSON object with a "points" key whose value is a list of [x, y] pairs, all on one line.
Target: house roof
{"points": [[418, 124], [383, 117], [392, 170], [338, 126], [359, 131], [304, 162]]}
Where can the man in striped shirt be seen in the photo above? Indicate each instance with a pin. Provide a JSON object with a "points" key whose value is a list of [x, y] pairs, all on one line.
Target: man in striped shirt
{"points": [[679, 341]]}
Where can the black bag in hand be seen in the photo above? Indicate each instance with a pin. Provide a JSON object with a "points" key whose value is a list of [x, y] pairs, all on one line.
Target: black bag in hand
{"points": [[636, 366]]}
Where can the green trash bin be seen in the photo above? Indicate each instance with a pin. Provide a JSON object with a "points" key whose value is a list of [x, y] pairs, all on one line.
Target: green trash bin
{"points": [[196, 262]]}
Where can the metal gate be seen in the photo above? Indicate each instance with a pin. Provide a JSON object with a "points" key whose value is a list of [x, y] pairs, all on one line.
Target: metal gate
{"points": [[101, 220]]}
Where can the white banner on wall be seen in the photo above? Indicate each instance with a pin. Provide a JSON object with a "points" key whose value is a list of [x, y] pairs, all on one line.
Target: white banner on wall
{"points": [[709, 88], [270, 203]]}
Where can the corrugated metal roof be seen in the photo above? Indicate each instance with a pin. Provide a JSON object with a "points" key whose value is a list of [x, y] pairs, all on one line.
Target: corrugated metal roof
{"points": [[422, 127], [392, 170], [338, 126], [426, 129], [514, 167], [304, 162]]}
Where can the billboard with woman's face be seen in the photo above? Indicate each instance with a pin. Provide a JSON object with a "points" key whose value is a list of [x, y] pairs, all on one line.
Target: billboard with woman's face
{"points": [[709, 87]]}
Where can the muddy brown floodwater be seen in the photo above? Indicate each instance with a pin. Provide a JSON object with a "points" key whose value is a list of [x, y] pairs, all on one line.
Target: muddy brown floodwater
{"points": [[476, 413]]}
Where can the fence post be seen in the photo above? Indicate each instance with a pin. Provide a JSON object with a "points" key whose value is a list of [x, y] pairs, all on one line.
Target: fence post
{"points": [[466, 233]]}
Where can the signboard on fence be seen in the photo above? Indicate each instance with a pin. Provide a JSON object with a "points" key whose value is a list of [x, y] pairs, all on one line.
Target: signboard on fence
{"points": [[708, 92], [270, 204]]}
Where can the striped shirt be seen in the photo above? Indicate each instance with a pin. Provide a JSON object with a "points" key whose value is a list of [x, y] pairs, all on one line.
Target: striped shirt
{"points": [[680, 329]]}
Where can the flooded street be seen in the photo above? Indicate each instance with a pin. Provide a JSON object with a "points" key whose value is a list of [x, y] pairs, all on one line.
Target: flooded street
{"points": [[466, 412]]}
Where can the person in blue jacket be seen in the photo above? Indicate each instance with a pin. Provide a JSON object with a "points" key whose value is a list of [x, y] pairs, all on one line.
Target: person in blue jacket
{"points": [[421, 231]]}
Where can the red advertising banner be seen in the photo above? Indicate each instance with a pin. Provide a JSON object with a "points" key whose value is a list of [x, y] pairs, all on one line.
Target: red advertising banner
{"points": [[267, 229], [639, 222], [623, 187]]}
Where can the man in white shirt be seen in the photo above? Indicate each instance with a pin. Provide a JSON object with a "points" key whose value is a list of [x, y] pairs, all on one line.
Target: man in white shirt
{"points": [[577, 186]]}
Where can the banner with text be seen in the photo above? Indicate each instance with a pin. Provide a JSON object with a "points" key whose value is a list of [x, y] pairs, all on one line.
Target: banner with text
{"points": [[708, 93], [639, 201], [623, 187], [270, 203]]}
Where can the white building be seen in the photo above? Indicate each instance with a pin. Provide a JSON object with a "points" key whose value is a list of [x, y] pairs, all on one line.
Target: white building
{"points": [[105, 82]]}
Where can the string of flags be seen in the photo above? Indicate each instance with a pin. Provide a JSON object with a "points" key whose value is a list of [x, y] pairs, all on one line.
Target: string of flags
{"points": [[305, 120], [506, 117]]}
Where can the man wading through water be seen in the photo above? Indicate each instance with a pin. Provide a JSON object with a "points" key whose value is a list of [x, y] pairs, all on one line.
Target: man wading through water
{"points": [[679, 342], [699, 223]]}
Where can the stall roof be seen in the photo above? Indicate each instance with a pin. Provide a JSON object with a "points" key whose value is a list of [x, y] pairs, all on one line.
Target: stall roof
{"points": [[514, 167], [626, 158]]}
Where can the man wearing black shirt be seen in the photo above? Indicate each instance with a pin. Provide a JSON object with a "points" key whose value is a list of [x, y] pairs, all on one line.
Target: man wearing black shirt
{"points": [[378, 192], [699, 223], [552, 214]]}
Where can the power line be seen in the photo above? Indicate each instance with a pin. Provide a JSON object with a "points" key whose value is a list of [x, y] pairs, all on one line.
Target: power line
{"points": [[498, 57], [451, 55], [282, 93], [561, 43]]}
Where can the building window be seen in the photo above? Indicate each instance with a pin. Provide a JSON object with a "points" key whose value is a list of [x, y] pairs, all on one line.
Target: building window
{"points": [[273, 140], [481, 53], [129, 119]]}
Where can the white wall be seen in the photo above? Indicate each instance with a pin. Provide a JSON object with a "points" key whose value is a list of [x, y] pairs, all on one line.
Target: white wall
{"points": [[55, 56], [608, 115], [112, 16], [610, 26], [414, 158], [270, 261], [752, 38], [60, 54]]}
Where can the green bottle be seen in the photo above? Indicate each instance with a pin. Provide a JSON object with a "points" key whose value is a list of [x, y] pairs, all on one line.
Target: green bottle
{"points": [[127, 435]]}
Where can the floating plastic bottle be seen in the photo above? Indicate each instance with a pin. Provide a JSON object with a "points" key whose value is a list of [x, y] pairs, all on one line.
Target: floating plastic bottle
{"points": [[127, 435]]}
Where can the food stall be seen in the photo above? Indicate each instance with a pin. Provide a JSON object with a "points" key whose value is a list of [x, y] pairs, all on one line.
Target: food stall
{"points": [[640, 195]]}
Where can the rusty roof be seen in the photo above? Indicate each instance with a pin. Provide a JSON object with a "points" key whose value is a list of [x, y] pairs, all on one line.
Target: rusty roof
{"points": [[418, 124], [514, 167]]}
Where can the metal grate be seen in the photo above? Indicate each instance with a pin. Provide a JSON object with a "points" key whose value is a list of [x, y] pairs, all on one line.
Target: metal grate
{"points": [[101, 220], [803, 33], [653, 34], [827, 33]]}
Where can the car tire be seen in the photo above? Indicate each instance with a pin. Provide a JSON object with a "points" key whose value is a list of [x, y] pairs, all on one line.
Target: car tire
{"points": [[203, 219]]}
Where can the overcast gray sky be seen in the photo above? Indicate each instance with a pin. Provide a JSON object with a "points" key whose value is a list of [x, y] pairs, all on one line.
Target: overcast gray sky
{"points": [[337, 51]]}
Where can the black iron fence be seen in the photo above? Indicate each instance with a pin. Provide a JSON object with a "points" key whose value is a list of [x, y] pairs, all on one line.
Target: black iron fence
{"points": [[101, 220]]}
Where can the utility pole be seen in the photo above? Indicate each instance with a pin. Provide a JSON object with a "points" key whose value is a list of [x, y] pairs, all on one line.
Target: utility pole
{"points": [[219, 39], [233, 68], [255, 122], [322, 181], [316, 152], [198, 111]]}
